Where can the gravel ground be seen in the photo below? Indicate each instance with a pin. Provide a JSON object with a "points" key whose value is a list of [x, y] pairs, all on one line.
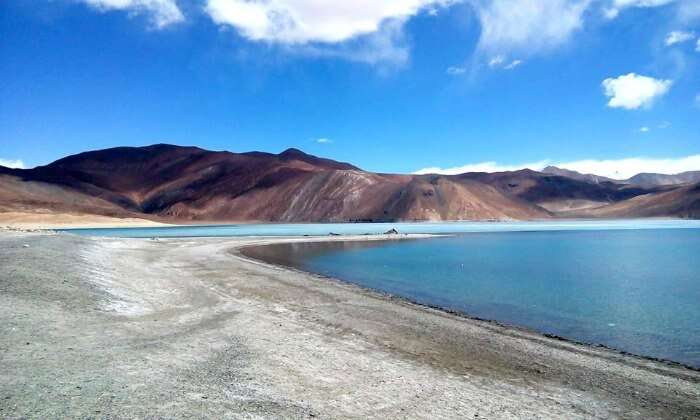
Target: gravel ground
{"points": [[128, 328]]}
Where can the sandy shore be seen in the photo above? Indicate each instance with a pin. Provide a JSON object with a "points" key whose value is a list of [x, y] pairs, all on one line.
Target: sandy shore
{"points": [[123, 328], [30, 221]]}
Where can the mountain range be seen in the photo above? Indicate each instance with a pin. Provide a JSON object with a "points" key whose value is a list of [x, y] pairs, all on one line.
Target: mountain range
{"points": [[188, 184], [643, 179]]}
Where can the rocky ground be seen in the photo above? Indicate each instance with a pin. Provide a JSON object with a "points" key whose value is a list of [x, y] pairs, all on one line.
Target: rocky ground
{"points": [[125, 328]]}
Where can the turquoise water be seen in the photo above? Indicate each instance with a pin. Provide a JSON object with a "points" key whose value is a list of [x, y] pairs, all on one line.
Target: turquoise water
{"points": [[299, 229], [633, 290], [633, 285]]}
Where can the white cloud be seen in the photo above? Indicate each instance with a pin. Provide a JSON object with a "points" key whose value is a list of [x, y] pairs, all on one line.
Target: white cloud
{"points": [[677, 37], [324, 140], [306, 21], [527, 26], [632, 91], [697, 46], [513, 64], [500, 62], [612, 168], [386, 47], [496, 61], [644, 129], [12, 163], [611, 13], [163, 12], [621, 4], [617, 5], [456, 71], [697, 100], [369, 31]]}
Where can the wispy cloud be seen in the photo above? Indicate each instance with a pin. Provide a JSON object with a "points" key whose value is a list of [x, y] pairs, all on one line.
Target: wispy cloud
{"points": [[611, 168], [616, 6], [12, 163], [456, 71], [644, 129], [501, 62], [162, 12], [513, 64], [633, 91], [528, 26], [677, 37], [324, 140]]}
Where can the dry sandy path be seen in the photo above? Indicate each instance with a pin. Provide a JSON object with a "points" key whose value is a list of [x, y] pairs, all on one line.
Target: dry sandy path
{"points": [[124, 328]]}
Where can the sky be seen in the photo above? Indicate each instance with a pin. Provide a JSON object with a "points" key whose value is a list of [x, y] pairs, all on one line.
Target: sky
{"points": [[601, 86]]}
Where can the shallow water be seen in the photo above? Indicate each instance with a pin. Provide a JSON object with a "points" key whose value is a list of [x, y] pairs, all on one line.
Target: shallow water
{"points": [[636, 290], [300, 229]]}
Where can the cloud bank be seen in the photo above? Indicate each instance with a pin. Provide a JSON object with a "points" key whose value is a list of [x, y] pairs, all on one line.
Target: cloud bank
{"points": [[611, 168], [633, 91], [12, 163], [372, 31]]}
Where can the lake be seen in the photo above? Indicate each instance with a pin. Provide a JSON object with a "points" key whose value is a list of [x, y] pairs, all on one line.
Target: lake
{"points": [[300, 229], [633, 285], [632, 290]]}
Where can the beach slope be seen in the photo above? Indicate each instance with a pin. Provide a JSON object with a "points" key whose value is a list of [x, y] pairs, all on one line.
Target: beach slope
{"points": [[125, 328]]}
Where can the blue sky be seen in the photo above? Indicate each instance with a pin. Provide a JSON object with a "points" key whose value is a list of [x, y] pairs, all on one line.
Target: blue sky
{"points": [[606, 86]]}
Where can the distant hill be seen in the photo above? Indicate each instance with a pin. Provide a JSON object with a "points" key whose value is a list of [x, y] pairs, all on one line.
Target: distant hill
{"points": [[596, 179], [183, 184], [643, 179], [662, 179]]}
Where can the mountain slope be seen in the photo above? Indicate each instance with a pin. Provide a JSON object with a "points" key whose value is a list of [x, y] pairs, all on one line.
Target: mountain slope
{"points": [[174, 183], [647, 179], [595, 179]]}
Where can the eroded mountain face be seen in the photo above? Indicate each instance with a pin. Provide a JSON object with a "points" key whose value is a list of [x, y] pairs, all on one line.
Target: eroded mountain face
{"points": [[191, 184]]}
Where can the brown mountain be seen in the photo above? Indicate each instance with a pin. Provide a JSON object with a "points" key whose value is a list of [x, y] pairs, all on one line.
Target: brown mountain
{"points": [[165, 182], [595, 179]]}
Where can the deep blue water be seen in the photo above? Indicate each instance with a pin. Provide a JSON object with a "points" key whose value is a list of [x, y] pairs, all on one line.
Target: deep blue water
{"points": [[633, 290]]}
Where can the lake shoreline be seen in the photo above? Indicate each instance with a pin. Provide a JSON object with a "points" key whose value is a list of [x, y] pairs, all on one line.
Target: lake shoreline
{"points": [[185, 327], [241, 251]]}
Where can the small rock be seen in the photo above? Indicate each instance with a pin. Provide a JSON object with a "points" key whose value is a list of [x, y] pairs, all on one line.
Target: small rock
{"points": [[391, 231]]}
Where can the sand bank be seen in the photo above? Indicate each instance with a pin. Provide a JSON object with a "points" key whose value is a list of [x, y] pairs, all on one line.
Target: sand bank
{"points": [[189, 328], [26, 220]]}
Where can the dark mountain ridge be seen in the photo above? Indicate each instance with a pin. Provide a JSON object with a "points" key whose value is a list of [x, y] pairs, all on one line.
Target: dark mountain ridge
{"points": [[181, 184]]}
